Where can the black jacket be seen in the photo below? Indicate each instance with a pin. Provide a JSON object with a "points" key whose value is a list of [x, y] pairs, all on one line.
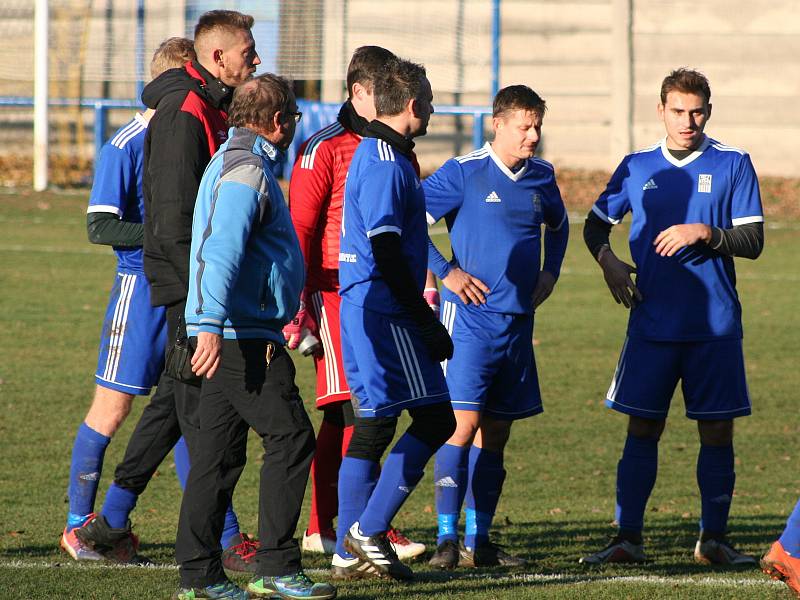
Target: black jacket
{"points": [[188, 127]]}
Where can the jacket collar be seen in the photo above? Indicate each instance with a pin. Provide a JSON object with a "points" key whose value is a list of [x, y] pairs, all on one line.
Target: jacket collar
{"points": [[351, 120], [382, 131], [247, 139], [218, 93]]}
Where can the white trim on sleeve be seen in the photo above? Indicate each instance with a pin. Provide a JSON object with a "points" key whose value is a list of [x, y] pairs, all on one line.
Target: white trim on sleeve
{"points": [[384, 229], [746, 220], [106, 208]]}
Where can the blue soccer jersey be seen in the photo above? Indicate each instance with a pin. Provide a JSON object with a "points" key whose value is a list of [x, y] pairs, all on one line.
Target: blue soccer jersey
{"points": [[117, 186], [690, 296], [382, 194], [495, 219]]}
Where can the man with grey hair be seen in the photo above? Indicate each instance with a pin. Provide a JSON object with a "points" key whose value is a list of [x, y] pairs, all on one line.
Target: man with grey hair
{"points": [[246, 274]]}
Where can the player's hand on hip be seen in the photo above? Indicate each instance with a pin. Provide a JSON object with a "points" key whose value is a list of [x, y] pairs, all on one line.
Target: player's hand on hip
{"points": [[437, 340], [470, 289], [544, 287], [672, 239], [618, 278], [206, 357]]}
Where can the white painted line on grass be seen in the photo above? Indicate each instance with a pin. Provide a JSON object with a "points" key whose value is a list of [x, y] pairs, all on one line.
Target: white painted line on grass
{"points": [[588, 578]]}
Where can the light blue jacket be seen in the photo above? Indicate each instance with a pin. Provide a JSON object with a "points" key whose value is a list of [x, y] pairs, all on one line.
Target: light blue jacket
{"points": [[245, 268]]}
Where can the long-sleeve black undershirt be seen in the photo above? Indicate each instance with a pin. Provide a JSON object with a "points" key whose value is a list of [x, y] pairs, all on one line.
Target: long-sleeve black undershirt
{"points": [[746, 241], [108, 229]]}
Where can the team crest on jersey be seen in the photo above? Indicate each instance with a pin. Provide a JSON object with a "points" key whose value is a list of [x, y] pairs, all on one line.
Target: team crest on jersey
{"points": [[704, 183], [537, 203]]}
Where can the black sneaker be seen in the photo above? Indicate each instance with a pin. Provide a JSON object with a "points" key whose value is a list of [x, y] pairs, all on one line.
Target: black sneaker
{"points": [[377, 551], [117, 545], [241, 557], [487, 555], [446, 555]]}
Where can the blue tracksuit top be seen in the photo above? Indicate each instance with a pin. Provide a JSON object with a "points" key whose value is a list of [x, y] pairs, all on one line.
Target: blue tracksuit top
{"points": [[246, 270]]}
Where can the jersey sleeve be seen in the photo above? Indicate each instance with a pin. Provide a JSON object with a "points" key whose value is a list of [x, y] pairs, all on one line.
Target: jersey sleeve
{"points": [[444, 190], [554, 211], [309, 187], [383, 199], [114, 178], [613, 203], [746, 202]]}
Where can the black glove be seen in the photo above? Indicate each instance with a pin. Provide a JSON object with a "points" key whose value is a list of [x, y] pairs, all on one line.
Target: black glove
{"points": [[437, 340]]}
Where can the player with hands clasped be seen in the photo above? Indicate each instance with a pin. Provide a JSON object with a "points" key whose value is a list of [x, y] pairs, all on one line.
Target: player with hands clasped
{"points": [[494, 201], [391, 340], [695, 204]]}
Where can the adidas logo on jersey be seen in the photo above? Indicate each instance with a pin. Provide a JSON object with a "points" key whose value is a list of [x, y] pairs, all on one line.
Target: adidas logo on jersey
{"points": [[446, 482], [493, 197], [650, 185]]}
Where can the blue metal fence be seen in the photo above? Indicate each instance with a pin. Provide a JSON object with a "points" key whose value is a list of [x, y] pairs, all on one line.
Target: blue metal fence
{"points": [[316, 115]]}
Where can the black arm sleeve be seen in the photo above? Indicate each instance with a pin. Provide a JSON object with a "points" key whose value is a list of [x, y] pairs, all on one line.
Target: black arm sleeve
{"points": [[596, 233], [745, 240], [108, 229], [395, 272]]}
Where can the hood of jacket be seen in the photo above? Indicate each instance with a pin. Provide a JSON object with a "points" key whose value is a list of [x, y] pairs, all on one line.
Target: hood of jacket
{"points": [[192, 77]]}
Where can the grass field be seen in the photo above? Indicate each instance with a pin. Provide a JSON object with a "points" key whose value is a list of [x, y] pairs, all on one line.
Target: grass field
{"points": [[559, 496]]}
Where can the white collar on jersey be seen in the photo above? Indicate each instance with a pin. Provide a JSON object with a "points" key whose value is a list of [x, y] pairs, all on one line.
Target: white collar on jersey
{"points": [[693, 156], [500, 165]]}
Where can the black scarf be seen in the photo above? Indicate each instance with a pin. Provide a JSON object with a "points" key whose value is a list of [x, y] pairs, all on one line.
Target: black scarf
{"points": [[377, 129]]}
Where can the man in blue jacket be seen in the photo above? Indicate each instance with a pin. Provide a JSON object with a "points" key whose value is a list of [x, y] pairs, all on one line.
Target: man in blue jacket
{"points": [[245, 278]]}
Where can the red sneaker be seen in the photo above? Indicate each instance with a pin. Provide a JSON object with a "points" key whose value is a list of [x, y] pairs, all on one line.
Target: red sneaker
{"points": [[778, 564]]}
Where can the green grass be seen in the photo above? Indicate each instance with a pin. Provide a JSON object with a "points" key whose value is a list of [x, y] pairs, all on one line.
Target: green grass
{"points": [[559, 495]]}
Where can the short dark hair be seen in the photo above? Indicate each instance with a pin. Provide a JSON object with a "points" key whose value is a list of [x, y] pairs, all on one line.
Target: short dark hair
{"points": [[256, 101], [226, 20], [399, 82], [687, 81], [517, 97], [172, 53], [365, 64]]}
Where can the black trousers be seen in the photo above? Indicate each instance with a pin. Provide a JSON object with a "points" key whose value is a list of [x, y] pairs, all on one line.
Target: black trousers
{"points": [[171, 412], [246, 392]]}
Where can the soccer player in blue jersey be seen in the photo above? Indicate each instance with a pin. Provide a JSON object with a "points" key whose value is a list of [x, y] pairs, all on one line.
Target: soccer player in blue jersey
{"points": [[391, 340], [695, 205], [494, 201], [134, 335]]}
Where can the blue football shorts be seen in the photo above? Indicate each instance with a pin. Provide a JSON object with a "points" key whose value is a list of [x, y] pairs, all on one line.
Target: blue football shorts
{"points": [[133, 340], [386, 364], [493, 368], [711, 374]]}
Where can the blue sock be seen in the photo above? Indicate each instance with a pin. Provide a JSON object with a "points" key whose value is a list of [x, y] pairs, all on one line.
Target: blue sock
{"points": [[401, 472], [715, 478], [790, 539], [84, 473], [636, 476], [450, 477], [486, 477], [357, 479], [231, 535], [118, 505]]}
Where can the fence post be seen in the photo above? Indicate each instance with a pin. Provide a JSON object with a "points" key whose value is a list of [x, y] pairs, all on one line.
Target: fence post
{"points": [[621, 142], [100, 111], [41, 94], [477, 129]]}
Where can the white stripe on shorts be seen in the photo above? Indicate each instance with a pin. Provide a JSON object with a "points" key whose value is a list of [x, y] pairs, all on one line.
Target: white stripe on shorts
{"points": [[330, 359], [448, 318], [619, 373], [118, 325], [408, 360]]}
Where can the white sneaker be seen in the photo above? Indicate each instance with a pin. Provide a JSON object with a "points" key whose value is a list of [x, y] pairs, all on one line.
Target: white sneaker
{"points": [[318, 543], [404, 547]]}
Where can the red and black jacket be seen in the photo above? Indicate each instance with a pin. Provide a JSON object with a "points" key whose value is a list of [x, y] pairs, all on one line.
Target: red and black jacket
{"points": [[188, 127]]}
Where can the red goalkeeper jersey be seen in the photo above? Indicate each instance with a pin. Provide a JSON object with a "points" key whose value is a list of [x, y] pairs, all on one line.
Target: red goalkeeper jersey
{"points": [[316, 193]]}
